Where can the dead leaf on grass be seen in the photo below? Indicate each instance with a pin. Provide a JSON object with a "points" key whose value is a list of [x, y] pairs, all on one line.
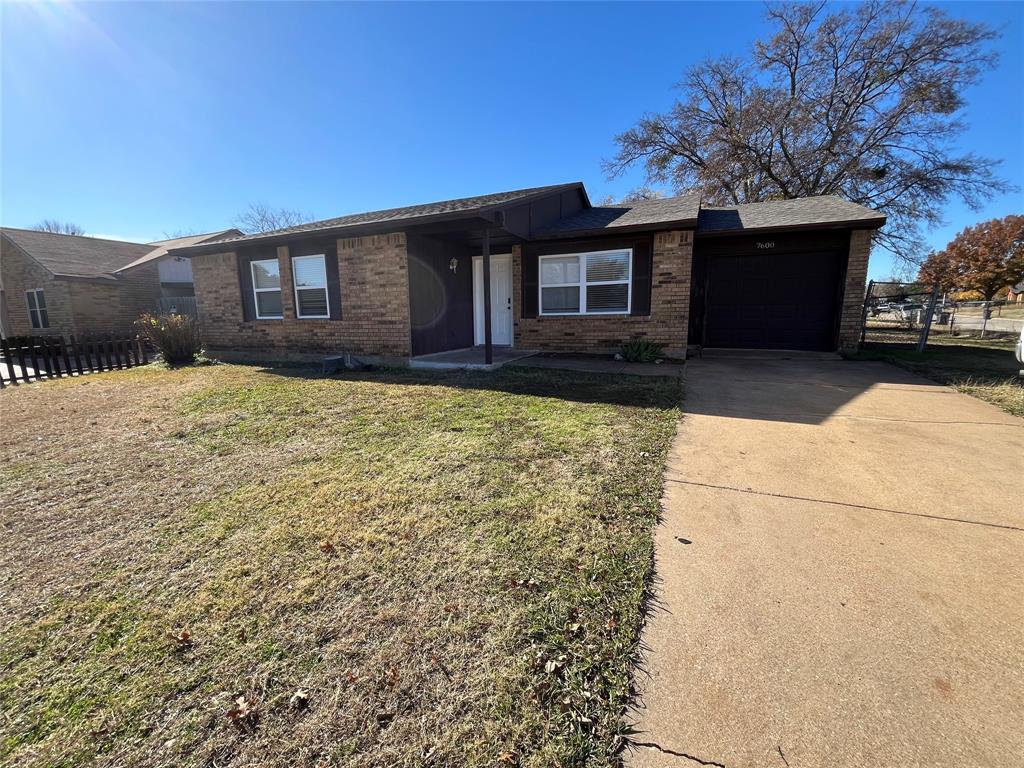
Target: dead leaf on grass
{"points": [[327, 547], [181, 638], [245, 713], [299, 699]]}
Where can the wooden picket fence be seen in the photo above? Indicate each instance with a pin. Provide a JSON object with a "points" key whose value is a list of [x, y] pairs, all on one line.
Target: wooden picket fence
{"points": [[34, 358]]}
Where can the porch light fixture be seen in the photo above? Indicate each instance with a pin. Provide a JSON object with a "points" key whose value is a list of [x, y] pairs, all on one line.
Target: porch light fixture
{"points": [[453, 264]]}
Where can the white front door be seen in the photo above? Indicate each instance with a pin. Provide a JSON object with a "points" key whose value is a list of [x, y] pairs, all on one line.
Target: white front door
{"points": [[501, 300]]}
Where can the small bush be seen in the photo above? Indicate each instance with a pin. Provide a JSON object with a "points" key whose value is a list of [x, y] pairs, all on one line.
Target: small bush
{"points": [[641, 351], [175, 337]]}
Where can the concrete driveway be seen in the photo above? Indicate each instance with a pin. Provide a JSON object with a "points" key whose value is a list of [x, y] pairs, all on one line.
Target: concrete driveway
{"points": [[839, 574]]}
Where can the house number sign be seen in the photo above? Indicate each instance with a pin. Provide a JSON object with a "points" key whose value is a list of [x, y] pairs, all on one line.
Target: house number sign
{"points": [[764, 246]]}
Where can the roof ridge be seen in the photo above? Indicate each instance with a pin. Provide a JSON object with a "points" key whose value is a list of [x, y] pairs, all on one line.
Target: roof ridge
{"points": [[464, 198], [79, 237]]}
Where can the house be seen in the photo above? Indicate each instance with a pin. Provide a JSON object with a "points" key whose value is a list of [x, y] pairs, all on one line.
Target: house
{"points": [[1016, 293], [52, 284], [540, 269]]}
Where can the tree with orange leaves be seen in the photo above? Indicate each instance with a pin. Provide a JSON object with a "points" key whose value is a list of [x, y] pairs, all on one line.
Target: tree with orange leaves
{"points": [[986, 258]]}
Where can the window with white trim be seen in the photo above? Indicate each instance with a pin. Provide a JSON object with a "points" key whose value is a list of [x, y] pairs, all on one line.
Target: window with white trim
{"points": [[309, 274], [37, 314], [266, 289], [594, 283]]}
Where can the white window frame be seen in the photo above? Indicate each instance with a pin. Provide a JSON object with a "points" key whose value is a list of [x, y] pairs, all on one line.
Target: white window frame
{"points": [[582, 283], [327, 291], [39, 312], [256, 291]]}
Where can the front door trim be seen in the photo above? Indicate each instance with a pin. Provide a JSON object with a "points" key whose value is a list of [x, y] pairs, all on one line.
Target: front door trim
{"points": [[501, 333]]}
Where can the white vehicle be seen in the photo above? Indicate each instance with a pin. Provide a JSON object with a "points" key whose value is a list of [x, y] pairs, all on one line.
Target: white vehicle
{"points": [[1020, 350]]}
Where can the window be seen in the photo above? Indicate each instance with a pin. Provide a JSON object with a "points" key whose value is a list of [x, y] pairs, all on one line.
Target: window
{"points": [[596, 283], [266, 289], [309, 273], [37, 313]]}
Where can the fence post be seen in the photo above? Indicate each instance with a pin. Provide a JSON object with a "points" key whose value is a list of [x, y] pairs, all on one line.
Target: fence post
{"points": [[8, 354], [74, 350], [926, 327], [145, 352], [34, 357], [864, 312], [21, 363], [985, 312], [64, 354], [54, 349]]}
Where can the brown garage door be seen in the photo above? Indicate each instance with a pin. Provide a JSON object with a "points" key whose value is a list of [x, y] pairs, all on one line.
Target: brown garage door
{"points": [[773, 301]]}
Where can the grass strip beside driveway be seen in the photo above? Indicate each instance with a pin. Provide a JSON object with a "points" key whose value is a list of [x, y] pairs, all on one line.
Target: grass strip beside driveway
{"points": [[239, 565], [984, 368]]}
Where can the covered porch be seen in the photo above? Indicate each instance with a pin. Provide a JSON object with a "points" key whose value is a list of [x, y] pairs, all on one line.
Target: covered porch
{"points": [[461, 295]]}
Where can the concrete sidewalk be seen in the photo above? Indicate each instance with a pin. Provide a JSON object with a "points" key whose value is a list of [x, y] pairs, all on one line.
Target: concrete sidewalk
{"points": [[840, 574]]}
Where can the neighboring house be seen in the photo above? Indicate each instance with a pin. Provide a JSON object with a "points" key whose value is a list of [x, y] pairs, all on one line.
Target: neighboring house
{"points": [[1016, 293], [53, 284], [564, 275], [175, 272]]}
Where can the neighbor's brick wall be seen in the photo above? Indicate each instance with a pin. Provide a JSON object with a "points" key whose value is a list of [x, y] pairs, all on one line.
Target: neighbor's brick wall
{"points": [[101, 308], [374, 276], [851, 315], [19, 273], [666, 325]]}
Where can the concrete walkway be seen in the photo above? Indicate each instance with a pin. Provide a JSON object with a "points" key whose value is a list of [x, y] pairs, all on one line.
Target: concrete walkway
{"points": [[839, 574]]}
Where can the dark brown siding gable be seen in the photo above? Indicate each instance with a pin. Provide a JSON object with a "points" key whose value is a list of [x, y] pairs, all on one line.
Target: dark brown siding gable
{"points": [[245, 257]]}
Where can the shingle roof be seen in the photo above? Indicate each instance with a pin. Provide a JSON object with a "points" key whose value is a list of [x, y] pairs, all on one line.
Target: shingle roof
{"points": [[802, 212], [161, 247], [462, 205], [640, 214], [74, 255]]}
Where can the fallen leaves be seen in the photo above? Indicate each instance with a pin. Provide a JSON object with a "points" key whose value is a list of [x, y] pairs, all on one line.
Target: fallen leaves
{"points": [[181, 638], [245, 713]]}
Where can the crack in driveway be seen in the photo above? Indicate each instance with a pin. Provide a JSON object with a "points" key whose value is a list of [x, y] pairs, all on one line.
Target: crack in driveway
{"points": [[674, 753], [941, 518]]}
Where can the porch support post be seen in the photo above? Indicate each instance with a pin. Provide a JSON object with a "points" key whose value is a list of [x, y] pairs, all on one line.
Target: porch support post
{"points": [[488, 352]]}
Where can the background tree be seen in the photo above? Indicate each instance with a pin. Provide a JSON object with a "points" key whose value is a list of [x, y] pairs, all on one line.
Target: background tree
{"points": [[59, 227], [634, 196], [260, 217], [859, 101], [985, 258]]}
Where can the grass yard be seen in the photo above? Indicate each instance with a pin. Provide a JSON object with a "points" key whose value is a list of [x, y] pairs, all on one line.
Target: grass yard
{"points": [[244, 566], [984, 368]]}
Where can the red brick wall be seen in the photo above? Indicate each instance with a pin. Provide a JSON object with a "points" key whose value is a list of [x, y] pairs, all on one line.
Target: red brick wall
{"points": [[851, 314], [21, 273], [666, 325], [101, 308], [373, 272]]}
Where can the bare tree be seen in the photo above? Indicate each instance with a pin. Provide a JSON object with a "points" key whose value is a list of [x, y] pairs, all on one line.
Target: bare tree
{"points": [[260, 217], [634, 196], [59, 227], [175, 234], [862, 102]]}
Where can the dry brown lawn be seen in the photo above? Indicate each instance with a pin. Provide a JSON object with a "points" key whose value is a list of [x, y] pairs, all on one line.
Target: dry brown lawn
{"points": [[242, 566]]}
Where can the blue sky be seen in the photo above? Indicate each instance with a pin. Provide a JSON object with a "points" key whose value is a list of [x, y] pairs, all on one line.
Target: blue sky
{"points": [[139, 119]]}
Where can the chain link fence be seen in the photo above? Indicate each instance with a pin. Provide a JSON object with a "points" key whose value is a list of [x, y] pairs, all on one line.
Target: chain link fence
{"points": [[911, 313]]}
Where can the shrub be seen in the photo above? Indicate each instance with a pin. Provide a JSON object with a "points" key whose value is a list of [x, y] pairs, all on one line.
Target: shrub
{"points": [[175, 337], [641, 351]]}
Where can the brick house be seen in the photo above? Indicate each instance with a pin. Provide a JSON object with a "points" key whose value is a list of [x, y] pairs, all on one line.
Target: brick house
{"points": [[52, 284], [563, 275]]}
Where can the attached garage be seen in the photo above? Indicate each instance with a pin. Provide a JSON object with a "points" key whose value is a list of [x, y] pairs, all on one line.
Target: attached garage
{"points": [[768, 287]]}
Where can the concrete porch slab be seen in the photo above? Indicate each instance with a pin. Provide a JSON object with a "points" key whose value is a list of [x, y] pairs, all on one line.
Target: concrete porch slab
{"points": [[470, 358]]}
